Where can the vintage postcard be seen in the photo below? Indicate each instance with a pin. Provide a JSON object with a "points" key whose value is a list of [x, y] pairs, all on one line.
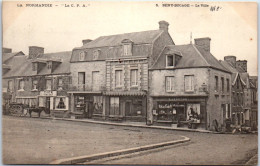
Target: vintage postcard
{"points": [[120, 82]]}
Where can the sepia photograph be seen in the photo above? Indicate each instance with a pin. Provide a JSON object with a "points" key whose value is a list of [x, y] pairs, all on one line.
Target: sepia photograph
{"points": [[129, 83]]}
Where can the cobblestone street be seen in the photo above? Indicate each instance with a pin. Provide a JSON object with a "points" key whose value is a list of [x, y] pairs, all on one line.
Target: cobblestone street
{"points": [[56, 139]]}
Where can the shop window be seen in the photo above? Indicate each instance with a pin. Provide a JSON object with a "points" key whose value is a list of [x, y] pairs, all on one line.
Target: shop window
{"points": [[10, 86], [169, 84], [134, 77], [98, 105], [222, 84], [21, 85], [60, 103], [228, 85], [114, 106], [216, 83], [119, 78], [34, 84], [193, 112], [189, 83], [48, 84]]}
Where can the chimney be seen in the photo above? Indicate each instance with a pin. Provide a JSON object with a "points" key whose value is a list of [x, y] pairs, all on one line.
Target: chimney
{"points": [[163, 25], [86, 41], [204, 43], [242, 64], [34, 51], [6, 50], [231, 59]]}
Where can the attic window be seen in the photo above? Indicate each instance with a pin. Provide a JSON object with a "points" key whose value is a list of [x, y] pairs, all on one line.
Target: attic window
{"points": [[96, 54], [170, 61], [127, 49], [34, 66], [81, 56], [49, 65]]}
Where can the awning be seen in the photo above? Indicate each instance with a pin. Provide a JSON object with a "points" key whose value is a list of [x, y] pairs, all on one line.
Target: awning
{"points": [[125, 93], [85, 92]]}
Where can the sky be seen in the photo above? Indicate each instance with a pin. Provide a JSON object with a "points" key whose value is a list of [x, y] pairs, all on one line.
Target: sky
{"points": [[232, 27]]}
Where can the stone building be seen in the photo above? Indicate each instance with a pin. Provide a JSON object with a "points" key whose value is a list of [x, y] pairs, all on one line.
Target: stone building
{"points": [[40, 80], [114, 71], [188, 83], [243, 92]]}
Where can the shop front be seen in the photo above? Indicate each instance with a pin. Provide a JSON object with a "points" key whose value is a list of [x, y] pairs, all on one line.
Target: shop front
{"points": [[86, 105], [126, 106], [180, 110]]}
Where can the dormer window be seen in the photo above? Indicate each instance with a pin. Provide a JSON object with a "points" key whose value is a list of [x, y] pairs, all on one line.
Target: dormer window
{"points": [[172, 60], [49, 64], [81, 56], [127, 47], [96, 54], [34, 66]]}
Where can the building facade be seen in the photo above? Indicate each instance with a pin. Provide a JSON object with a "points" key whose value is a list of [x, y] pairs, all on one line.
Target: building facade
{"points": [[40, 80], [188, 83]]}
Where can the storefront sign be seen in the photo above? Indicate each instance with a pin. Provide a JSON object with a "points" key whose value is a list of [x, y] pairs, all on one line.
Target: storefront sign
{"points": [[48, 93], [170, 105]]}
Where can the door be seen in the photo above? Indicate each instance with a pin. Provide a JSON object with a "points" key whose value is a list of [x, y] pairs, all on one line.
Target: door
{"points": [[48, 103], [128, 111], [95, 82], [114, 106]]}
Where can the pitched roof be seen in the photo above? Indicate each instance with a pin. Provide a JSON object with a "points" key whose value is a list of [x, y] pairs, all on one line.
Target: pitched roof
{"points": [[7, 56], [192, 56], [115, 40], [22, 66]]}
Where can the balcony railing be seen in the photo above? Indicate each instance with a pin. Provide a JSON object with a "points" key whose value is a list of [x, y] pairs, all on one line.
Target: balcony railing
{"points": [[84, 87]]}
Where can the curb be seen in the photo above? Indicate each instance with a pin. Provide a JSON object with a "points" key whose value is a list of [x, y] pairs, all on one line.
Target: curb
{"points": [[131, 125], [81, 159]]}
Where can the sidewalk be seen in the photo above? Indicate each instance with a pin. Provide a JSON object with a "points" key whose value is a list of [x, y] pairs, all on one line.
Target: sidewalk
{"points": [[128, 124]]}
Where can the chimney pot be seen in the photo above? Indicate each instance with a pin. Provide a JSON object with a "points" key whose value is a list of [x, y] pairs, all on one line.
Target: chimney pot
{"points": [[203, 42], [86, 41], [163, 25], [231, 59], [34, 51]]}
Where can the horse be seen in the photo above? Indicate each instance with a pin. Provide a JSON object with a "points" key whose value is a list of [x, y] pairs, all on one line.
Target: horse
{"points": [[38, 110]]}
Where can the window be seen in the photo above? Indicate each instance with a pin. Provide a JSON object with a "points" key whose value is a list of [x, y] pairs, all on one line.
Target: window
{"points": [[222, 84], [60, 103], [169, 84], [81, 78], [170, 61], [81, 56], [34, 84], [237, 84], [21, 85], [216, 83], [49, 64], [48, 84], [127, 49], [119, 78], [34, 66], [114, 106], [60, 84], [227, 85], [10, 86], [96, 54], [134, 77], [188, 81]]}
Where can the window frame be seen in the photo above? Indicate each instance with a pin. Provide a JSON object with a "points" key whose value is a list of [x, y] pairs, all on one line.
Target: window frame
{"points": [[127, 49], [120, 79], [216, 85], [33, 84], [10, 88], [228, 84], [222, 84], [171, 85], [173, 65], [47, 84], [135, 77], [192, 89], [19, 85], [82, 56]]}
